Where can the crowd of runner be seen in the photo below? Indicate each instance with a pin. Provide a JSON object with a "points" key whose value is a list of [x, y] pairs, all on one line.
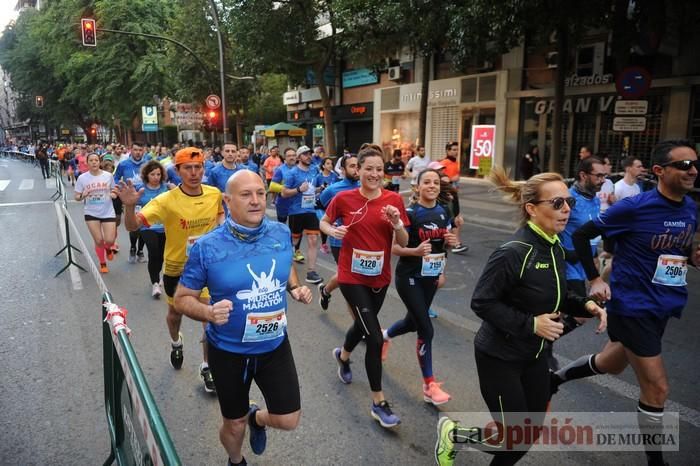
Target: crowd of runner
{"points": [[201, 214]]}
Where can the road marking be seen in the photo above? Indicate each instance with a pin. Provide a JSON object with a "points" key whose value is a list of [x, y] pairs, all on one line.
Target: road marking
{"points": [[72, 270], [50, 183], [20, 204], [26, 184], [618, 386], [3, 184]]}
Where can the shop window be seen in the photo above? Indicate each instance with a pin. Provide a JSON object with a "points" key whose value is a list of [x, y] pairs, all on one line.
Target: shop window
{"points": [[444, 128], [390, 98], [589, 59], [487, 88], [469, 90]]}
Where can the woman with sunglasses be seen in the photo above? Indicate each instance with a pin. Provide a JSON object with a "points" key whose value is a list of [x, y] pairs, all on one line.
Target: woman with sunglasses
{"points": [[372, 219], [94, 188], [519, 296]]}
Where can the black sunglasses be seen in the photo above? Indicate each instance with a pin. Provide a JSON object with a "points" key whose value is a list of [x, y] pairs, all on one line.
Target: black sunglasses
{"points": [[683, 165], [558, 202]]}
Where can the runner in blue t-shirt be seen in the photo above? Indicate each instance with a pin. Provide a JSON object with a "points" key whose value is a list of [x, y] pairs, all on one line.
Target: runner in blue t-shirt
{"points": [[299, 187], [220, 173], [246, 263], [350, 180], [325, 178], [281, 203], [653, 234]]}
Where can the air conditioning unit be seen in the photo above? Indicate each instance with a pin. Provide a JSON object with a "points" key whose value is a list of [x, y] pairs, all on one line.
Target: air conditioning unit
{"points": [[394, 73], [551, 59]]}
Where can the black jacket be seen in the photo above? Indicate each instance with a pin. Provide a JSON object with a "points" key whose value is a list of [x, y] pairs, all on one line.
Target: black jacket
{"points": [[523, 278]]}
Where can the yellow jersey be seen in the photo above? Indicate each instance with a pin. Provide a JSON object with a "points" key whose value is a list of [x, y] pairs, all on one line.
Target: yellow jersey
{"points": [[185, 219]]}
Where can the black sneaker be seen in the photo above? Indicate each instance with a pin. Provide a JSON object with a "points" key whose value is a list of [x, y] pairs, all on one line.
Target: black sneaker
{"points": [[323, 297], [242, 463], [176, 355], [258, 436], [460, 248], [313, 277], [208, 379]]}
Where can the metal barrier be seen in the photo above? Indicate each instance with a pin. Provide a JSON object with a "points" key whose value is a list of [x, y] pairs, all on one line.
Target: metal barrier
{"points": [[137, 432], [16, 155]]}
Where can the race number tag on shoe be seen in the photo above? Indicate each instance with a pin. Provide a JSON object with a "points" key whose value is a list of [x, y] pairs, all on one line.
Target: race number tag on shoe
{"points": [[433, 265], [190, 242], [671, 270], [262, 326], [368, 263]]}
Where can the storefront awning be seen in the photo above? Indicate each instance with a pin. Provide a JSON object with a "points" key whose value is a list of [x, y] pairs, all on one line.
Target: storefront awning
{"points": [[283, 129]]}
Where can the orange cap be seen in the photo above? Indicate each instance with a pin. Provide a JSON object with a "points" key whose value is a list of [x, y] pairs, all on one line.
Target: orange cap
{"points": [[189, 155]]}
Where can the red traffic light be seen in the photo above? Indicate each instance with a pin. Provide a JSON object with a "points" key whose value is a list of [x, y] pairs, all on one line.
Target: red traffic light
{"points": [[93, 131], [212, 114], [88, 30]]}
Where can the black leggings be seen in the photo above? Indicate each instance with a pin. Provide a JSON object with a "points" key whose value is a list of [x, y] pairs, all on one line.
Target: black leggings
{"points": [[512, 387], [366, 303], [135, 236], [417, 295], [155, 242]]}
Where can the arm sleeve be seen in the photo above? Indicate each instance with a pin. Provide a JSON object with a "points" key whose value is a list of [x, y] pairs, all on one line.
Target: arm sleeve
{"points": [[194, 275], [575, 305], [582, 246], [497, 280]]}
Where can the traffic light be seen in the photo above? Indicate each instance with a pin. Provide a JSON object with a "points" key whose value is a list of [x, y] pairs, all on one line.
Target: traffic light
{"points": [[39, 101], [89, 31], [214, 120]]}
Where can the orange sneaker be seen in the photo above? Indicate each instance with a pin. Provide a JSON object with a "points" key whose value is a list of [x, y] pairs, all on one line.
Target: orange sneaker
{"points": [[103, 268], [432, 393], [110, 254], [385, 348]]}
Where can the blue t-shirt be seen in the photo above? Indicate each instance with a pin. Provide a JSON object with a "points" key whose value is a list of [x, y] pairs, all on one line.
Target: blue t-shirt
{"points": [[148, 194], [321, 179], [279, 176], [130, 169], [173, 177], [584, 211], [328, 194], [253, 276], [647, 228], [219, 175], [250, 165], [208, 167], [304, 202]]}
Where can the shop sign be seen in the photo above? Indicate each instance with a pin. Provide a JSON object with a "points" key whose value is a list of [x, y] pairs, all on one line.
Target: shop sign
{"points": [[313, 94], [592, 80], [291, 97], [149, 118], [433, 96], [631, 107], [579, 105], [483, 144], [629, 124], [359, 77]]}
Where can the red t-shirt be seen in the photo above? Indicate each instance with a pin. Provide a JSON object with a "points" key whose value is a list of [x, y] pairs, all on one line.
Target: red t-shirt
{"points": [[367, 244]]}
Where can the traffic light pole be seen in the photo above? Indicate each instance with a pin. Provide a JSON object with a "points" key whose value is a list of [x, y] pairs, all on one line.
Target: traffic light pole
{"points": [[224, 118]]}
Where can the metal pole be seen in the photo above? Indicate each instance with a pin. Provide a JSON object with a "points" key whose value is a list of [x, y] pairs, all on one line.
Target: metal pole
{"points": [[224, 120]]}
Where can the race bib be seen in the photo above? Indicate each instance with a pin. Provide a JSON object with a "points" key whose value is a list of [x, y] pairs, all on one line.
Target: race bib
{"points": [[95, 199], [262, 326], [308, 201], [369, 263], [671, 270], [190, 242], [433, 265], [395, 180]]}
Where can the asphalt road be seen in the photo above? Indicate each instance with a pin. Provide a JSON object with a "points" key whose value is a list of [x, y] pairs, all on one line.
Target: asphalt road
{"points": [[51, 402]]}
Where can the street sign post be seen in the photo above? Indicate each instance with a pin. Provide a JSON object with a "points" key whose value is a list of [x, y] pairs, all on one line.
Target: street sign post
{"points": [[213, 101], [633, 82], [483, 145], [149, 118]]}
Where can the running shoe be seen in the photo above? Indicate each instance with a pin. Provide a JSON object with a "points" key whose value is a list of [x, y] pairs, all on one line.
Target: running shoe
{"points": [[323, 298], [110, 254], [432, 314], [140, 258], [344, 371], [460, 248], [313, 277], [115, 248], [103, 268], [432, 393], [444, 446], [176, 355], [384, 415], [325, 249], [156, 291], [298, 256], [132, 256], [242, 463], [208, 379], [258, 436], [385, 349]]}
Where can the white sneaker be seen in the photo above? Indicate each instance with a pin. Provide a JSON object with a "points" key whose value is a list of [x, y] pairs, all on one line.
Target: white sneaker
{"points": [[156, 291]]}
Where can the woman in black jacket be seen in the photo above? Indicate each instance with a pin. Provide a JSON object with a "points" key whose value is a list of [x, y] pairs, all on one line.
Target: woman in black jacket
{"points": [[519, 296]]}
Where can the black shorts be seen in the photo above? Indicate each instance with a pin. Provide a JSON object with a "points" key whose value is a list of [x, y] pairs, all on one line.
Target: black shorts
{"points": [[641, 335], [274, 373], [336, 253], [90, 218], [170, 285], [304, 223], [118, 209]]}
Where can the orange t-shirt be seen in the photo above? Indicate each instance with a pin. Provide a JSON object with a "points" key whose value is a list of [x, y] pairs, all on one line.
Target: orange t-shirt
{"points": [[270, 164], [451, 167]]}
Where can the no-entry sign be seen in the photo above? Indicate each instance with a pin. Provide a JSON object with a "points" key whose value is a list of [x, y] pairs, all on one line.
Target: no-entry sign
{"points": [[483, 142]]}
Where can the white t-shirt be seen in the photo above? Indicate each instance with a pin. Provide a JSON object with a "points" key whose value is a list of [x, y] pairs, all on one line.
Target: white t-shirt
{"points": [[604, 194], [96, 191], [416, 165], [623, 190]]}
